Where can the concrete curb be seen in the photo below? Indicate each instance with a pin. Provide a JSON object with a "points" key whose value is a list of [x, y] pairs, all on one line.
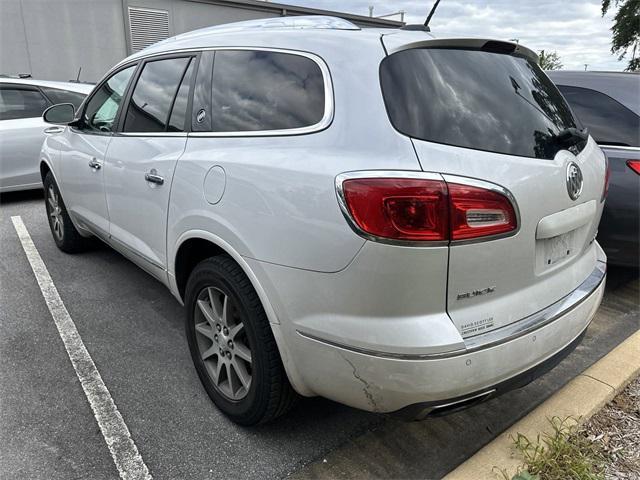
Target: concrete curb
{"points": [[580, 398]]}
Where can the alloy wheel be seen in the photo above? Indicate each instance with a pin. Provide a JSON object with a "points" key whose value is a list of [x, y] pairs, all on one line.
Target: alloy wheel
{"points": [[223, 344], [55, 213]]}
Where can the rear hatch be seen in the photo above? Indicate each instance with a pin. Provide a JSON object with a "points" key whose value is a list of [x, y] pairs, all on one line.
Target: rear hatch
{"points": [[484, 110]]}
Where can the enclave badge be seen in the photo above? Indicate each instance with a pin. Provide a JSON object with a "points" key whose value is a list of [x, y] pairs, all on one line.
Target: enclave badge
{"points": [[574, 180], [476, 293]]}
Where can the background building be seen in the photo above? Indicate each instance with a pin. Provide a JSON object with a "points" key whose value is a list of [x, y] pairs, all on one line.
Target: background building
{"points": [[53, 39]]}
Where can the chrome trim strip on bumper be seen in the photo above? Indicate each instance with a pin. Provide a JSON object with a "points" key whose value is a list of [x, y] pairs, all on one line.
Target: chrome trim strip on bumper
{"points": [[541, 318], [501, 335]]}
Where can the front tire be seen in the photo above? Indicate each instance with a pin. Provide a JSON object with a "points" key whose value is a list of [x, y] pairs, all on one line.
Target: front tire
{"points": [[232, 346], [64, 232]]}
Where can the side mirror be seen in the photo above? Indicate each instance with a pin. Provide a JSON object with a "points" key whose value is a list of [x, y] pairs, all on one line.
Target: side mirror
{"points": [[61, 114]]}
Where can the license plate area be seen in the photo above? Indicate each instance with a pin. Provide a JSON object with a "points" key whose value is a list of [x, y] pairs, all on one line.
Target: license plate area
{"points": [[551, 252]]}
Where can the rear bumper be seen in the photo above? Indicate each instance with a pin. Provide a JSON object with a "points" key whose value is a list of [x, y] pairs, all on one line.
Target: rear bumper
{"points": [[488, 364], [422, 410]]}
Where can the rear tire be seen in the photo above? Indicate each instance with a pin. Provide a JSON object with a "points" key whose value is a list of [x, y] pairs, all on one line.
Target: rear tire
{"points": [[64, 232], [232, 345]]}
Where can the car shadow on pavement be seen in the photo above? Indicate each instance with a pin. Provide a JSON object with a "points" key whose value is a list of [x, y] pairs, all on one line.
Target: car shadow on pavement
{"points": [[24, 196]]}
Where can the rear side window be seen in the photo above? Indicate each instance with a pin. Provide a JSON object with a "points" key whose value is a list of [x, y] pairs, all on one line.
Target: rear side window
{"points": [[153, 95], [265, 91], [608, 121], [63, 96], [19, 103], [474, 99]]}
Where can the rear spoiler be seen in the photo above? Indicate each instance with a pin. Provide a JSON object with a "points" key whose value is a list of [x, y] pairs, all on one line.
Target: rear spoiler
{"points": [[394, 45]]}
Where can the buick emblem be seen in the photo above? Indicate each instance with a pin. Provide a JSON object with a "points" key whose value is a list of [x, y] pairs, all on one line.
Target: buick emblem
{"points": [[574, 180]]}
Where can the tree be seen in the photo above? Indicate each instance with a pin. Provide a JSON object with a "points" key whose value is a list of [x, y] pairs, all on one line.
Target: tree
{"points": [[549, 61], [626, 30]]}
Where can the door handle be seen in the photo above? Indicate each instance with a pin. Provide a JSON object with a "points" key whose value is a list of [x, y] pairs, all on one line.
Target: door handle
{"points": [[153, 177], [95, 164], [54, 130]]}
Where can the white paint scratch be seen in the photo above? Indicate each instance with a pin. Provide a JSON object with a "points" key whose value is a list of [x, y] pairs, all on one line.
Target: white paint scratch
{"points": [[115, 432]]}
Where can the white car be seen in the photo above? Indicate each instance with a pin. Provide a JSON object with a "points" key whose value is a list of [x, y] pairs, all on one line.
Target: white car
{"points": [[22, 129], [391, 220]]}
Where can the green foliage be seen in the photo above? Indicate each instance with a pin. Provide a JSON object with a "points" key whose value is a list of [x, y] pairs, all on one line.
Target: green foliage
{"points": [[549, 60], [525, 476], [626, 30], [563, 454]]}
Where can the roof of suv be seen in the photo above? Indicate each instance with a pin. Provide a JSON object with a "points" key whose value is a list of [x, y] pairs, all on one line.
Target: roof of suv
{"points": [[622, 86], [84, 88]]}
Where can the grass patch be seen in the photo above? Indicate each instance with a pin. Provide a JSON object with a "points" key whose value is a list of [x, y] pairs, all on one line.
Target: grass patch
{"points": [[563, 454]]}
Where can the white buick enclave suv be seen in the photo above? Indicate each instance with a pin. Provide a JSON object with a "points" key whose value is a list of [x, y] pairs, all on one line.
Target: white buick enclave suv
{"points": [[398, 222]]}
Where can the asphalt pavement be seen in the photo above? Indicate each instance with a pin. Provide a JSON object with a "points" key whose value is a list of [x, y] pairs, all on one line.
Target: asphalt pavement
{"points": [[133, 329]]}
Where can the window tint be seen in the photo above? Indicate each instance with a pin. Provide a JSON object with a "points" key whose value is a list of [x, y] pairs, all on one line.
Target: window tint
{"points": [[153, 95], [608, 121], [102, 108], [63, 96], [474, 99], [179, 110], [17, 103], [258, 90]]}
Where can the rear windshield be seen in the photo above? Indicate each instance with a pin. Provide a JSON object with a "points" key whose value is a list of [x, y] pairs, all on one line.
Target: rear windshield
{"points": [[475, 99]]}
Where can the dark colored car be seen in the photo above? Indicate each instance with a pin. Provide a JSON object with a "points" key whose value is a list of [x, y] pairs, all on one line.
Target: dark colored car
{"points": [[608, 104]]}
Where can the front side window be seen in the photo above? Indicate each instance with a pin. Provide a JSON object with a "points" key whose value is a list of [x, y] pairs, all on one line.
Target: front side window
{"points": [[261, 91], [63, 96], [478, 99], [20, 103], [154, 94], [101, 110], [608, 121]]}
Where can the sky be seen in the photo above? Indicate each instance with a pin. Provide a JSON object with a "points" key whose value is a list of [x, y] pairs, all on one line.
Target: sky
{"points": [[573, 28]]}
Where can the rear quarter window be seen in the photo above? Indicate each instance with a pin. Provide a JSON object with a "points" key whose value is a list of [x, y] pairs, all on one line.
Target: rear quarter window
{"points": [[474, 99], [260, 91]]}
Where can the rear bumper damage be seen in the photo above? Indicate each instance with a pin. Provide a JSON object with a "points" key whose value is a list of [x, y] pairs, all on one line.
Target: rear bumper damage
{"points": [[414, 386]]}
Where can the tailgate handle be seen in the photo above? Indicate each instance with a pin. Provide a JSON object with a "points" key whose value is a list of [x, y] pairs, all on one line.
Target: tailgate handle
{"points": [[566, 220]]}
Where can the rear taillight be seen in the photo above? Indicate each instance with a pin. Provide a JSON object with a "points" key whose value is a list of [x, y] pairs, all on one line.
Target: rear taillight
{"points": [[634, 165], [399, 208], [424, 209], [479, 212]]}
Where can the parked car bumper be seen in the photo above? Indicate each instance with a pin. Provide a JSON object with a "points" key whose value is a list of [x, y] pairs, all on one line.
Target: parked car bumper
{"points": [[487, 365]]}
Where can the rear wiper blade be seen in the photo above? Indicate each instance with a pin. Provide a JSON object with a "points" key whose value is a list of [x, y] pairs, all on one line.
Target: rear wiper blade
{"points": [[571, 136]]}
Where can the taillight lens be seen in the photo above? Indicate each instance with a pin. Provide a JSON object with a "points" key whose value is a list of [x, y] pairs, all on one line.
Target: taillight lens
{"points": [[424, 210], [633, 165], [478, 212], [399, 209]]}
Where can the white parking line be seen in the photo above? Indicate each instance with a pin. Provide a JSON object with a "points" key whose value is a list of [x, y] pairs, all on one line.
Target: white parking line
{"points": [[115, 432]]}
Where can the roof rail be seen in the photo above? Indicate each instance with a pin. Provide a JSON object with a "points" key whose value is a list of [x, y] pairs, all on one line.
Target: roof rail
{"points": [[321, 22]]}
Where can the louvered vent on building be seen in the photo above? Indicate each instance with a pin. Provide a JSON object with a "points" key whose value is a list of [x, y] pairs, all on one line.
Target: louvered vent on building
{"points": [[147, 26]]}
